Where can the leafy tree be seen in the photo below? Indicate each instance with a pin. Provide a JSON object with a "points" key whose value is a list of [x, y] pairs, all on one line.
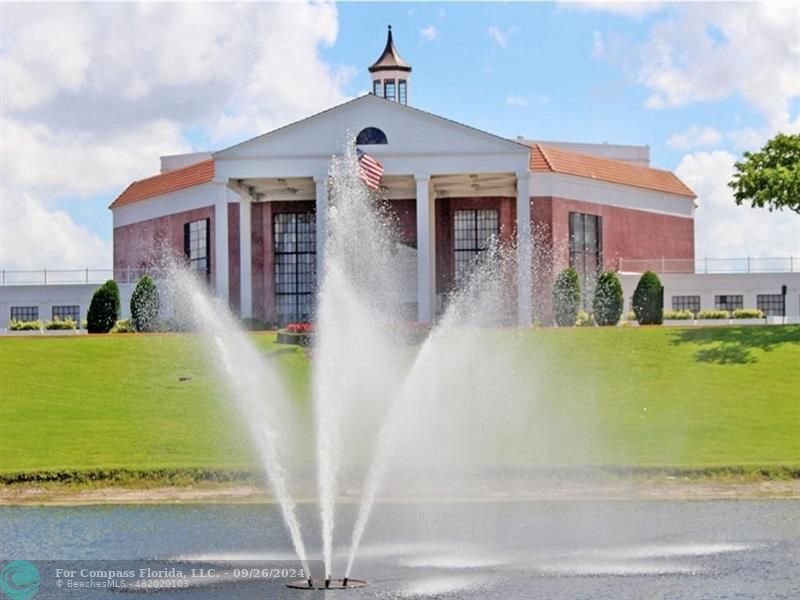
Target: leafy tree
{"points": [[608, 299], [104, 308], [770, 178], [145, 305], [648, 299], [566, 297]]}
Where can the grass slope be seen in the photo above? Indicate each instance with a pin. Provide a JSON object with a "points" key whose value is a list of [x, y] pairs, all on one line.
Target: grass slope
{"points": [[689, 398]]}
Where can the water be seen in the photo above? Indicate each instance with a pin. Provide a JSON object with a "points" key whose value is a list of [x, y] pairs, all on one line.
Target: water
{"points": [[566, 549]]}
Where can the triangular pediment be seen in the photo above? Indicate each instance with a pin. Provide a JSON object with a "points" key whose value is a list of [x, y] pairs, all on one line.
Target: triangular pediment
{"points": [[408, 131]]}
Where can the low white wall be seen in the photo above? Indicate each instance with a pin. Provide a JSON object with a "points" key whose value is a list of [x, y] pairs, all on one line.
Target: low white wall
{"points": [[47, 296], [708, 285]]}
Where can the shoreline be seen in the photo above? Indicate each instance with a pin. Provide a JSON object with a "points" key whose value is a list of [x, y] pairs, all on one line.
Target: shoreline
{"points": [[570, 491]]}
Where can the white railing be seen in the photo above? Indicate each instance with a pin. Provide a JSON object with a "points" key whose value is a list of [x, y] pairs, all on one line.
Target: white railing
{"points": [[73, 276], [781, 264]]}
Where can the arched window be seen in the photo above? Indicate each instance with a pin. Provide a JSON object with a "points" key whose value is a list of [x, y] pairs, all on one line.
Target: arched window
{"points": [[371, 135]]}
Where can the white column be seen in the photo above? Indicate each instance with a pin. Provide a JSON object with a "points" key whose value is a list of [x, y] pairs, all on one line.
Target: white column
{"points": [[426, 250], [321, 183], [220, 267], [524, 250], [245, 258]]}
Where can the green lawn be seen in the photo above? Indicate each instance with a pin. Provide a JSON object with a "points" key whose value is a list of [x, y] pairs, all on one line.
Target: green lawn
{"points": [[689, 398]]}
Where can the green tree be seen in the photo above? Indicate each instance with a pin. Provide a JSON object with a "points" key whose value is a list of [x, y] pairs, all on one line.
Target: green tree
{"points": [[566, 297], [145, 305], [770, 178], [608, 299], [104, 308], [648, 300]]}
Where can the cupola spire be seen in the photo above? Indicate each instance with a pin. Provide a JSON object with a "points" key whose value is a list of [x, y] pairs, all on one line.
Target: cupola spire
{"points": [[390, 73]]}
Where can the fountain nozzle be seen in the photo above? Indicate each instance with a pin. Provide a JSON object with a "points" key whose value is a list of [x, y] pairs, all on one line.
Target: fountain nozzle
{"points": [[310, 582], [344, 582], [328, 582]]}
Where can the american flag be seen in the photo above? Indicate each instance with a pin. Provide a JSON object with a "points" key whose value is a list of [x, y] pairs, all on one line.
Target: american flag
{"points": [[370, 170]]}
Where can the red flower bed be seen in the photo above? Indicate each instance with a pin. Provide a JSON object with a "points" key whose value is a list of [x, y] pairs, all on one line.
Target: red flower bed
{"points": [[300, 328]]}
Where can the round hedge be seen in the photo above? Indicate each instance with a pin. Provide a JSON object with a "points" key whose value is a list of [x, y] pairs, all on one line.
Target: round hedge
{"points": [[648, 299], [608, 299], [566, 297], [104, 308], [145, 305]]}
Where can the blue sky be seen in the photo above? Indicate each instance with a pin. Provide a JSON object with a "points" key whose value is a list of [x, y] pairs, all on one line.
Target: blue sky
{"points": [[96, 92]]}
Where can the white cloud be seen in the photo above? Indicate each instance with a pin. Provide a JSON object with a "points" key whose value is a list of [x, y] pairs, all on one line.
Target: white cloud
{"points": [[498, 36], [626, 8], [516, 101], [35, 236], [526, 100], [430, 33], [725, 230], [94, 93], [694, 137], [712, 51], [598, 45]]}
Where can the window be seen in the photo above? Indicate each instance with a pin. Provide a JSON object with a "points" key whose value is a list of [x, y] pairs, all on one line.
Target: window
{"points": [[24, 313], [295, 245], [370, 135], [67, 312], [586, 251], [389, 88], [376, 87], [691, 303], [729, 302], [401, 91], [772, 305], [196, 244], [472, 233]]}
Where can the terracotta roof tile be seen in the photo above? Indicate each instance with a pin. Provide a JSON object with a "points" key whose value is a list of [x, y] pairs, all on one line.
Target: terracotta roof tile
{"points": [[171, 181], [555, 160]]}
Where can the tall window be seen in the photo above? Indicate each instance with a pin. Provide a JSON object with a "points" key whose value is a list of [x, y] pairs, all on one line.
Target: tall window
{"points": [[472, 233], [72, 311], [691, 303], [295, 245], [388, 85], [24, 313], [586, 251], [376, 87], [196, 244], [729, 302], [401, 91], [772, 305]]}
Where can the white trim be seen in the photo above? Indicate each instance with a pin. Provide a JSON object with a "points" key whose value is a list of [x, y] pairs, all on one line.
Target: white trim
{"points": [[583, 189], [220, 264], [426, 246], [198, 196], [524, 251]]}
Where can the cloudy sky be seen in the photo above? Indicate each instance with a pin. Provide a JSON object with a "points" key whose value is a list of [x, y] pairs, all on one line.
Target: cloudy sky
{"points": [[92, 94]]}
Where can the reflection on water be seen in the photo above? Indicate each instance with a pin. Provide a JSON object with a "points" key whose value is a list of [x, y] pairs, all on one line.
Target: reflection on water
{"points": [[636, 549]]}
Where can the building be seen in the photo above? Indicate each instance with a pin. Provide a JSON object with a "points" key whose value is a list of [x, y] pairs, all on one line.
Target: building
{"points": [[233, 212]]}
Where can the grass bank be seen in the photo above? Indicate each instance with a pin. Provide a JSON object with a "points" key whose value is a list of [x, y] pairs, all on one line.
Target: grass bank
{"points": [[136, 409]]}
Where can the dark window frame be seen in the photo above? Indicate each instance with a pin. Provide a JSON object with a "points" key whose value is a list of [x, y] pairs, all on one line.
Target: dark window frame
{"points": [[295, 269], [62, 311], [476, 226], [728, 301], [191, 246], [390, 84], [24, 313], [402, 91], [687, 302], [583, 250], [377, 87], [772, 305], [371, 136]]}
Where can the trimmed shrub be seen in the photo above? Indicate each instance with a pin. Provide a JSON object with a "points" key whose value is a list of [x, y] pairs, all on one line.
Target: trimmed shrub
{"points": [[57, 323], [648, 299], [748, 313], [145, 305], [104, 308], [713, 314], [584, 319], [123, 326], [679, 315], [566, 297], [25, 326], [608, 299]]}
